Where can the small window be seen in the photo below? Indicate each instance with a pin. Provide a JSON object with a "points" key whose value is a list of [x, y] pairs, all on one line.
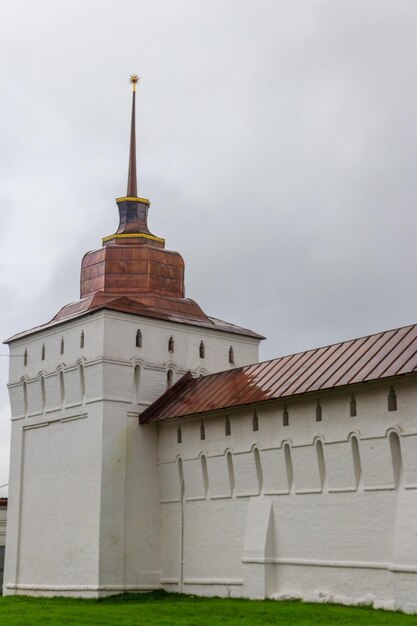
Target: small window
{"points": [[319, 414], [231, 355], [171, 344], [62, 346], [202, 350], [139, 338], [25, 358], [202, 431], [285, 418], [179, 435], [82, 340], [392, 399], [170, 378], [227, 427], [255, 421], [43, 352], [352, 406]]}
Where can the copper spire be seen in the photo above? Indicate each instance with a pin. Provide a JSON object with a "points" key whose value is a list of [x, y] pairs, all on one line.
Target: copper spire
{"points": [[132, 187]]}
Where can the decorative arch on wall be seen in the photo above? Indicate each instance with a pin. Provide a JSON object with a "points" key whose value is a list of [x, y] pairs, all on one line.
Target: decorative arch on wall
{"points": [[258, 466], [136, 382], [25, 395], [203, 459], [318, 443], [231, 472], [170, 377], [82, 381], [357, 466], [286, 446], [201, 371], [181, 476], [396, 455], [43, 392], [61, 386]]}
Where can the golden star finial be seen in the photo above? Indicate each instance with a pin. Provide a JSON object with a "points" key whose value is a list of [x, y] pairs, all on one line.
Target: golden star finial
{"points": [[134, 78]]}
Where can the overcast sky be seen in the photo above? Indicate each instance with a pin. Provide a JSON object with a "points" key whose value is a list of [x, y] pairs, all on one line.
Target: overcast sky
{"points": [[276, 141]]}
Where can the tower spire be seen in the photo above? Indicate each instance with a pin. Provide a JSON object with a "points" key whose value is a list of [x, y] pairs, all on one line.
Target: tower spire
{"points": [[132, 186]]}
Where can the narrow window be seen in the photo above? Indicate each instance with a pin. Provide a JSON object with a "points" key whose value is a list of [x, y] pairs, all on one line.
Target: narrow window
{"points": [[25, 358], [231, 355], [179, 435], [392, 399], [138, 338], [321, 462], [285, 418], [171, 344], [255, 421], [202, 350], [231, 473], [258, 466], [352, 406], [136, 383], [356, 460], [227, 427], [170, 378], [43, 352], [82, 383], [43, 394], [25, 398], [61, 387], [202, 431], [288, 466], [82, 339], [62, 346], [318, 411], [397, 464], [205, 475]]}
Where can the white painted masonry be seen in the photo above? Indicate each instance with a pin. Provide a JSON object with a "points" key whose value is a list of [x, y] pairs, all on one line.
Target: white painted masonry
{"points": [[84, 506], [334, 519]]}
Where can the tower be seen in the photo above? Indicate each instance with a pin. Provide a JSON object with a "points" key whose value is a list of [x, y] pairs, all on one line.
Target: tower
{"points": [[84, 504]]}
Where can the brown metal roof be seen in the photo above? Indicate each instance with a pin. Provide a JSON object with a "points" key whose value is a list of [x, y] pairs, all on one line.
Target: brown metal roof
{"points": [[179, 310], [379, 356]]}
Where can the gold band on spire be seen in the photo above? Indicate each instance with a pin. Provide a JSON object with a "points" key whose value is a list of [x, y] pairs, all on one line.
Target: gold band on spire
{"points": [[134, 78]]}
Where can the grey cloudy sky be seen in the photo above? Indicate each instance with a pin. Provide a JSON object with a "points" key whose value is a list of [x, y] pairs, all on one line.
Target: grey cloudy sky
{"points": [[277, 144]]}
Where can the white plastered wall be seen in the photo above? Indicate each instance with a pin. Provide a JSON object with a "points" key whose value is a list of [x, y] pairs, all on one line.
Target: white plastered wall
{"points": [[84, 505], [344, 529]]}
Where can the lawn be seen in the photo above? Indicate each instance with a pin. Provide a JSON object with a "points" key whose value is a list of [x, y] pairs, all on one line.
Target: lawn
{"points": [[169, 609]]}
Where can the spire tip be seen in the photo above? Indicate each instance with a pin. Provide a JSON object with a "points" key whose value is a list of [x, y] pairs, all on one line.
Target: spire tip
{"points": [[134, 78]]}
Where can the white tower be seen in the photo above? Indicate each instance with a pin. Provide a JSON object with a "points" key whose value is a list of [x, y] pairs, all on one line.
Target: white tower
{"points": [[84, 512]]}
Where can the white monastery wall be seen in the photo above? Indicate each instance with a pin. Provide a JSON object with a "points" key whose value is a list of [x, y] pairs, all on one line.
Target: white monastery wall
{"points": [[84, 511], [315, 507]]}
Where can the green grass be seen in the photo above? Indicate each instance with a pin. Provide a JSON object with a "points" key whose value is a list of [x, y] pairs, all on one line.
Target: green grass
{"points": [[170, 609]]}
